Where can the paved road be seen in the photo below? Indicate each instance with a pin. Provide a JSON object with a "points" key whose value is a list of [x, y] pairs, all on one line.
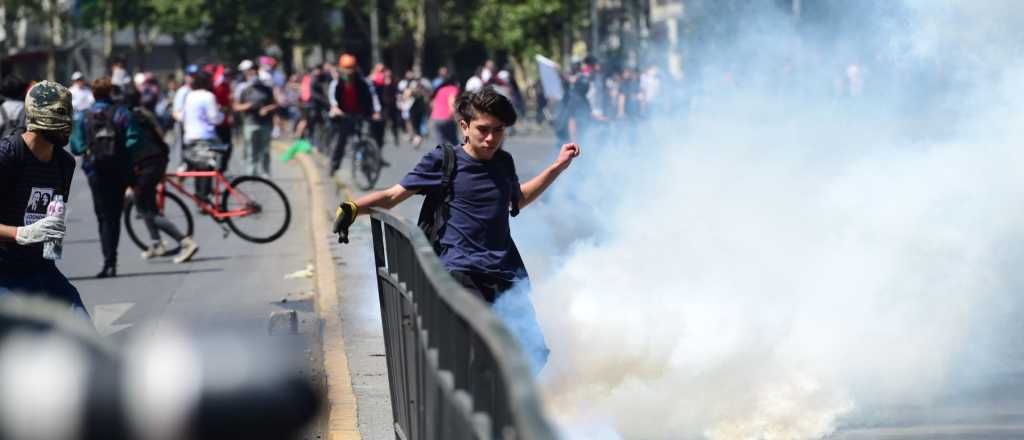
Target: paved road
{"points": [[229, 284]]}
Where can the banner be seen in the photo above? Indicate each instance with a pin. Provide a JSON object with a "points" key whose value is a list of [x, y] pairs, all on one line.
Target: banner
{"points": [[550, 78]]}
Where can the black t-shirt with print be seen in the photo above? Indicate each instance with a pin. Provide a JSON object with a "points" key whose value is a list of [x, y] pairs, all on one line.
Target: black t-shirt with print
{"points": [[26, 187]]}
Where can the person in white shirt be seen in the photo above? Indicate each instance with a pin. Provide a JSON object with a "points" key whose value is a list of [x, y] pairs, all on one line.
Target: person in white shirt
{"points": [[475, 82], [178, 105], [200, 116], [119, 76], [81, 94]]}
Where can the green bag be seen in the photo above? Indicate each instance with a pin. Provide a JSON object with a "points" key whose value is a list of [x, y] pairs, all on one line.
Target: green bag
{"points": [[300, 146]]}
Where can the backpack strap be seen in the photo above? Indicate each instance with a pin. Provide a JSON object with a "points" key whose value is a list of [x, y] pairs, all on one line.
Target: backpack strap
{"points": [[510, 167], [448, 161], [447, 192]]}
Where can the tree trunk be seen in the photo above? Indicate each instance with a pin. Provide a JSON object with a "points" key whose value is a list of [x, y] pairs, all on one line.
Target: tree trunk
{"points": [[56, 38], [375, 32], [431, 48], [108, 30], [287, 56], [566, 40], [181, 47], [5, 30], [419, 37], [595, 29], [140, 52]]}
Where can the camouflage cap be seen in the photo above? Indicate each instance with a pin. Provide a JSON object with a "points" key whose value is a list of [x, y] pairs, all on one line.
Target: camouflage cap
{"points": [[48, 107]]}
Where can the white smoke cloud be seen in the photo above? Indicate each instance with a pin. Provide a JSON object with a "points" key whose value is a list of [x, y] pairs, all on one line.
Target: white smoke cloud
{"points": [[776, 263]]}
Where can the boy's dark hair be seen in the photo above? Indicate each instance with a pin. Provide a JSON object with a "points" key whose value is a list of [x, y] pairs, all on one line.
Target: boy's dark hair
{"points": [[14, 87], [487, 100], [102, 88]]}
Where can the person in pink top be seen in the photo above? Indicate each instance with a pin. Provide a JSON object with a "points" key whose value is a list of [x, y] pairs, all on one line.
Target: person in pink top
{"points": [[442, 109]]}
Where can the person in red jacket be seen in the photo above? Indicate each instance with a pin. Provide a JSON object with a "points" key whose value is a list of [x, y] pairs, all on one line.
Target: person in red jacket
{"points": [[222, 95]]}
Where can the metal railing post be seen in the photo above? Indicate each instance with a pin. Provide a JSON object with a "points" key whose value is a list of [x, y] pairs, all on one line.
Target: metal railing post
{"points": [[455, 371]]}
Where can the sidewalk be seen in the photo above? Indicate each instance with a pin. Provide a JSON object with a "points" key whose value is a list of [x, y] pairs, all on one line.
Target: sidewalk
{"points": [[353, 340]]}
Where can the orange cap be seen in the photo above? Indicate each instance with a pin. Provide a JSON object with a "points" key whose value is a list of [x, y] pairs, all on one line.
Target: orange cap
{"points": [[347, 61]]}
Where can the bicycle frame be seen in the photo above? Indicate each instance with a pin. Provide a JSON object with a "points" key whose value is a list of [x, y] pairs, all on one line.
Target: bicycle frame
{"points": [[220, 184]]}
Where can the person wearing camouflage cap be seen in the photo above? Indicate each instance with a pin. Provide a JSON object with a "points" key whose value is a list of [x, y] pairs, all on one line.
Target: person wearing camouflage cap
{"points": [[48, 110], [34, 167]]}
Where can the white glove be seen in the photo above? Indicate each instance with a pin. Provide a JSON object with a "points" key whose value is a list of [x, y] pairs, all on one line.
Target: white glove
{"points": [[46, 228]]}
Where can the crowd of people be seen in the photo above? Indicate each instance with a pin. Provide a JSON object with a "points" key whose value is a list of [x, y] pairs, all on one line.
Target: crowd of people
{"points": [[598, 99], [128, 129], [127, 126]]}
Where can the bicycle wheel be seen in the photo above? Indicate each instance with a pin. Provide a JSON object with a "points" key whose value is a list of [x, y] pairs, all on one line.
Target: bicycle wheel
{"points": [[366, 163], [270, 211], [173, 209]]}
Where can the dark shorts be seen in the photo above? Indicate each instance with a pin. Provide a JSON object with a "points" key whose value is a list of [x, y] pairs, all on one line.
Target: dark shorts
{"points": [[511, 303], [487, 287]]}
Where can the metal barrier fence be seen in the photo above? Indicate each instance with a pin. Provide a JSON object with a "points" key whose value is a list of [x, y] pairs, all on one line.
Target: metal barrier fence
{"points": [[455, 370]]}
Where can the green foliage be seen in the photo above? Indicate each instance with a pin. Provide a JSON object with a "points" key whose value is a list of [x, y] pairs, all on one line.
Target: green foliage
{"points": [[517, 25], [240, 28], [178, 17]]}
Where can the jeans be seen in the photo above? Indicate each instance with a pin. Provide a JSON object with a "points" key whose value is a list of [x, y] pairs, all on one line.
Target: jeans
{"points": [[511, 302], [46, 281], [108, 202], [257, 148], [147, 176], [224, 134], [346, 126]]}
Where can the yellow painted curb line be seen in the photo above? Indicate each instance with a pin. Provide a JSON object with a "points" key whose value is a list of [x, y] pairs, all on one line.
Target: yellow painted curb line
{"points": [[342, 417]]}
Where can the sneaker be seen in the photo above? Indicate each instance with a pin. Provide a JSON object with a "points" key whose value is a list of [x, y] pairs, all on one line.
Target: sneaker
{"points": [[156, 250], [188, 249]]}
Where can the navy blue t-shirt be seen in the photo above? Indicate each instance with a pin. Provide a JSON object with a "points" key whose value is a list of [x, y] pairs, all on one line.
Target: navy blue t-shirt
{"points": [[476, 237]]}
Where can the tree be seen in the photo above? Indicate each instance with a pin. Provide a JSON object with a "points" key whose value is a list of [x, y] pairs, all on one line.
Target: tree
{"points": [[50, 14], [524, 28], [179, 19]]}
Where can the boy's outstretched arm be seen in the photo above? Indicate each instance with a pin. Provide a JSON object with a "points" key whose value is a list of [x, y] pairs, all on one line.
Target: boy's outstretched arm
{"points": [[536, 186], [347, 212]]}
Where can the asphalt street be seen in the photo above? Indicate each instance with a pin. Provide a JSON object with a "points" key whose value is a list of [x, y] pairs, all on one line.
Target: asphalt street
{"points": [[230, 284]]}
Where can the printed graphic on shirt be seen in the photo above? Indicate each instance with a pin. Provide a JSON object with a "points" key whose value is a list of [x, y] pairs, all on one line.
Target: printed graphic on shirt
{"points": [[38, 200]]}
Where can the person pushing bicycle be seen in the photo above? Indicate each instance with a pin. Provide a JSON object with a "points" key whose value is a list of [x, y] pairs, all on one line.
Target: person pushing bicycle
{"points": [[149, 164]]}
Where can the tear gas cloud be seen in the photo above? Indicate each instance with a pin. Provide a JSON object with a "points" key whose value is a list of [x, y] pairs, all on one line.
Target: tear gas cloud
{"points": [[830, 229]]}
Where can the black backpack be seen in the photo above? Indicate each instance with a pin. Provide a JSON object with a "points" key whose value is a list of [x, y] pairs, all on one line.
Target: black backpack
{"points": [[151, 144], [102, 138], [435, 210]]}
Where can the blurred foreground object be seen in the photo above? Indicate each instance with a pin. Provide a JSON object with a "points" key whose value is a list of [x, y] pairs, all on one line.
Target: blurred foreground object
{"points": [[60, 380]]}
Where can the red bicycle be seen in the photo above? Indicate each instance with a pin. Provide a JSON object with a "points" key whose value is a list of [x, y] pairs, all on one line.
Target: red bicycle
{"points": [[253, 207]]}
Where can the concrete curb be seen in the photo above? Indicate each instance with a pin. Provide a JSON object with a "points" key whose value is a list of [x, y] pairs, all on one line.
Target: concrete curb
{"points": [[342, 416]]}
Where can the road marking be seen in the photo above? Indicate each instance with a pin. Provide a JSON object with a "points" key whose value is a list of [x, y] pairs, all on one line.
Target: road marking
{"points": [[342, 418], [105, 315]]}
